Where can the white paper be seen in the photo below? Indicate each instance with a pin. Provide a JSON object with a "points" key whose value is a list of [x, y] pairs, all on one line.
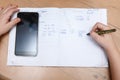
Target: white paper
{"points": [[62, 39]]}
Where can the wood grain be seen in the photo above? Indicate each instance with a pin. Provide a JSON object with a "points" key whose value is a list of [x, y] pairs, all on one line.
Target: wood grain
{"points": [[60, 73]]}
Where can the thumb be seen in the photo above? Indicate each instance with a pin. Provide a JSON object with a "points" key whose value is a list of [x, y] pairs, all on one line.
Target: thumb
{"points": [[13, 23]]}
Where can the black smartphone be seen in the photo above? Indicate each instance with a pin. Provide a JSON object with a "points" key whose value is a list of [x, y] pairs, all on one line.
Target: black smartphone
{"points": [[27, 34]]}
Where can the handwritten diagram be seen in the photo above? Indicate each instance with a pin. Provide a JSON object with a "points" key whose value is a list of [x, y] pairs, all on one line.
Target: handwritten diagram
{"points": [[50, 26]]}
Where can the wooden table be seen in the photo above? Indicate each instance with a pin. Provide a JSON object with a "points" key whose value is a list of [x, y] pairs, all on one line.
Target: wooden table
{"points": [[60, 73]]}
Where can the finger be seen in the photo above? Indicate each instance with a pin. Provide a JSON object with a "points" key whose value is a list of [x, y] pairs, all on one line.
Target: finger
{"points": [[1, 8], [13, 23], [4, 9], [99, 26], [95, 36], [10, 25], [8, 8], [10, 13]]}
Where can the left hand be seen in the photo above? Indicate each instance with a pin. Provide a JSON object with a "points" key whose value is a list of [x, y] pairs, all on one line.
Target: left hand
{"points": [[5, 15]]}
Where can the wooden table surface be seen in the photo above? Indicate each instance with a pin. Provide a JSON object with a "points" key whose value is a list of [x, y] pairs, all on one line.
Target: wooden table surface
{"points": [[60, 73]]}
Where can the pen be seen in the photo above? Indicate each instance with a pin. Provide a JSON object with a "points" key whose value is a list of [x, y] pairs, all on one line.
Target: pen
{"points": [[104, 31]]}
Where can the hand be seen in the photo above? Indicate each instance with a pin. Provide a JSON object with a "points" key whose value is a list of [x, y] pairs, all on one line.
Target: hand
{"points": [[104, 40], [5, 14]]}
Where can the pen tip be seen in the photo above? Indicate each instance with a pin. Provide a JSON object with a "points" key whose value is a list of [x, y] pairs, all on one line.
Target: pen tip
{"points": [[88, 34]]}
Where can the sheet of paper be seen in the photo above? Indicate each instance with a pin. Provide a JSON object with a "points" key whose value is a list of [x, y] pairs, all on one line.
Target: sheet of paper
{"points": [[63, 40]]}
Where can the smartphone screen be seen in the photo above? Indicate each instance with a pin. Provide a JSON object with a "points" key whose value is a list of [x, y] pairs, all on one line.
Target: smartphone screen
{"points": [[27, 34]]}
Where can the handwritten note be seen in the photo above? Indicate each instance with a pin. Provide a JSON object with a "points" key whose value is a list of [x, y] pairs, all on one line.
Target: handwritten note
{"points": [[62, 39]]}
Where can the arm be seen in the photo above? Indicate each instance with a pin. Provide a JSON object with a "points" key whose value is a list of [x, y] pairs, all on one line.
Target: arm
{"points": [[6, 24], [5, 14], [110, 48]]}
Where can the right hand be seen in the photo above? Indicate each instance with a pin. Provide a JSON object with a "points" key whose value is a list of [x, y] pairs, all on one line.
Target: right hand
{"points": [[104, 40]]}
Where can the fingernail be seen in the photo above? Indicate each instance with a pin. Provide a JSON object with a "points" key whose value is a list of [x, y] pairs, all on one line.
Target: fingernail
{"points": [[18, 19]]}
